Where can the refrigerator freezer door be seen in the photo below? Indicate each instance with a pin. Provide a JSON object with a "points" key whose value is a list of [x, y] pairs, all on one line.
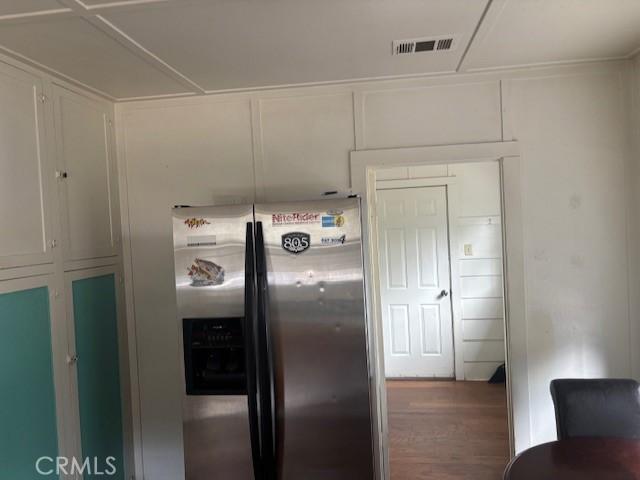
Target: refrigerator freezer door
{"points": [[209, 249], [317, 325]]}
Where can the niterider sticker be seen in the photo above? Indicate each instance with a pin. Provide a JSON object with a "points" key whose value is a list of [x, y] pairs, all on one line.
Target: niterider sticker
{"points": [[296, 218], [333, 240], [296, 242], [332, 221]]}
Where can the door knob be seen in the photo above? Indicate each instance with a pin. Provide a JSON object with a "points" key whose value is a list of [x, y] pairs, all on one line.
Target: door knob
{"points": [[444, 293]]}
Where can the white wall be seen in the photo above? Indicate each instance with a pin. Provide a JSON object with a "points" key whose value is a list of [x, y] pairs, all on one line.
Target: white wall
{"points": [[177, 155], [477, 224], [573, 133], [573, 128], [634, 211]]}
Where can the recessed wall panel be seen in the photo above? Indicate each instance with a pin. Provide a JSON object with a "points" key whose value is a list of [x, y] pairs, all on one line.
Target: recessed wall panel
{"points": [[96, 335], [489, 351], [396, 258], [427, 257], [90, 203], [431, 327], [482, 266], [27, 403], [479, 308], [481, 287], [426, 207], [23, 171], [393, 209], [486, 329], [305, 145], [400, 334], [434, 115]]}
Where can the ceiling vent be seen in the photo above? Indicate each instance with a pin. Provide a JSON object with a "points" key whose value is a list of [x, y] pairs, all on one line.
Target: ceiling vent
{"points": [[427, 44]]}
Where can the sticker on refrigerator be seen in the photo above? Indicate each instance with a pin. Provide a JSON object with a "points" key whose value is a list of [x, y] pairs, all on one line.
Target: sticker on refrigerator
{"points": [[205, 273], [332, 221], [296, 242], [296, 218], [201, 240], [196, 222], [328, 241]]}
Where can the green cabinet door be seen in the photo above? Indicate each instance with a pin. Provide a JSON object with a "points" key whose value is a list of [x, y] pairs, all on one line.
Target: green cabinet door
{"points": [[28, 428], [96, 337]]}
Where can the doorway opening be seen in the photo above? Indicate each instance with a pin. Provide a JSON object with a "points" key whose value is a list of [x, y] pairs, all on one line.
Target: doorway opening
{"points": [[440, 286]]}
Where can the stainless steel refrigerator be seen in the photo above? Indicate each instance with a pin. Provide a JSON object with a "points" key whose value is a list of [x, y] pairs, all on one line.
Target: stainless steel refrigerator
{"points": [[271, 305]]}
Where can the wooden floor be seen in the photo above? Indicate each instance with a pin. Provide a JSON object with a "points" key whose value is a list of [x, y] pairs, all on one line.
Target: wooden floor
{"points": [[447, 430]]}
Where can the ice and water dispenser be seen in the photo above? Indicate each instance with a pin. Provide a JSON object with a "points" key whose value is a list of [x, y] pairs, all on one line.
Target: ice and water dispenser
{"points": [[214, 356]]}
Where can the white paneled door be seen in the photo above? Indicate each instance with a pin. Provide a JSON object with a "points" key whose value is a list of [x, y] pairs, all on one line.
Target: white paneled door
{"points": [[415, 286], [88, 186]]}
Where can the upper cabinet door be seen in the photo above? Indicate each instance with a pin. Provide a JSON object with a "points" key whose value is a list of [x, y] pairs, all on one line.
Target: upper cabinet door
{"points": [[25, 172], [88, 187]]}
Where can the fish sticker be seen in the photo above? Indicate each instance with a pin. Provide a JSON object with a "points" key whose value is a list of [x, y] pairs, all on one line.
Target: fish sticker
{"points": [[205, 273]]}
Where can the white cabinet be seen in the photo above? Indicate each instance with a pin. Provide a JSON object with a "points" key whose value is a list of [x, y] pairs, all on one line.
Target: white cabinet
{"points": [[59, 213], [88, 180], [25, 172]]}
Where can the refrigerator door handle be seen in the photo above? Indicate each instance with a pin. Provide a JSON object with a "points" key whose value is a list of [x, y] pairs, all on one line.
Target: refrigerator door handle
{"points": [[250, 353], [267, 383]]}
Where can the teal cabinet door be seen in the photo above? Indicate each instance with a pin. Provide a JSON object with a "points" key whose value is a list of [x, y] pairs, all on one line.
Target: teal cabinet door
{"points": [[96, 338], [28, 429]]}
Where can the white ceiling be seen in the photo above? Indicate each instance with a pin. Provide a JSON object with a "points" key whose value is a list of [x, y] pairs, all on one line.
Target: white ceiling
{"points": [[529, 32], [8, 7], [138, 48], [230, 44]]}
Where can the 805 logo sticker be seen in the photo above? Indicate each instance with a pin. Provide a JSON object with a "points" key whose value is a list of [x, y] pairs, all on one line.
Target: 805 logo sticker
{"points": [[296, 242]]}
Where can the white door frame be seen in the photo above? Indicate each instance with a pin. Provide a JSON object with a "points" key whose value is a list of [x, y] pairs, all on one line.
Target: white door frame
{"points": [[452, 196], [363, 183]]}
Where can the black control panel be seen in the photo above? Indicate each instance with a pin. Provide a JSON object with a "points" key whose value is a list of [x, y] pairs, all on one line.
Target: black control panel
{"points": [[214, 356]]}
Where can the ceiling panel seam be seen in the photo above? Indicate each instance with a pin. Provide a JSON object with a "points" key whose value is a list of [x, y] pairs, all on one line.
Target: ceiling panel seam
{"points": [[132, 45], [54, 73], [13, 18], [485, 24], [105, 26]]}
